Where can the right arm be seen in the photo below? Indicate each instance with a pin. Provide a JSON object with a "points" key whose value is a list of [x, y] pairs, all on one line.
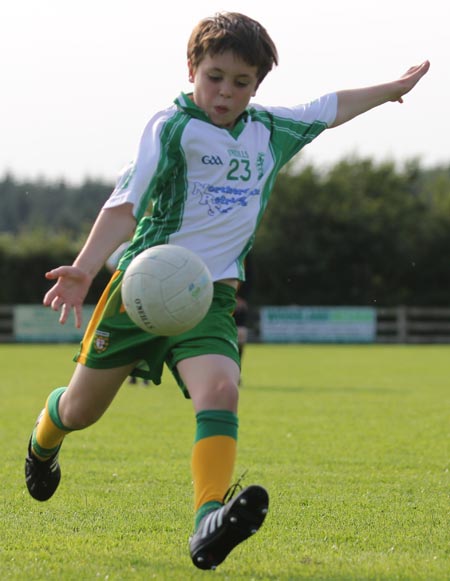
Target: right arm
{"points": [[112, 227]]}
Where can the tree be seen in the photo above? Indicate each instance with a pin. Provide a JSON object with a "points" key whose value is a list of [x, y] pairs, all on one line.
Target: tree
{"points": [[360, 234]]}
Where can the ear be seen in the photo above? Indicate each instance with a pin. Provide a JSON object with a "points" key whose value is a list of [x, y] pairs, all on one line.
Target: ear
{"points": [[191, 72]]}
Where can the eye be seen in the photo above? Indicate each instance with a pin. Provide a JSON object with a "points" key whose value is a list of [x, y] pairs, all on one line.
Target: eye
{"points": [[214, 78], [242, 83]]}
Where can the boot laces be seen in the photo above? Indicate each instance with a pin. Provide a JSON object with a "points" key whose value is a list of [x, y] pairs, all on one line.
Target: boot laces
{"points": [[236, 487]]}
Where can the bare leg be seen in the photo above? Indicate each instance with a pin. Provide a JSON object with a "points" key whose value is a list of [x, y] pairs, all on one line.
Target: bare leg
{"points": [[212, 382], [89, 394]]}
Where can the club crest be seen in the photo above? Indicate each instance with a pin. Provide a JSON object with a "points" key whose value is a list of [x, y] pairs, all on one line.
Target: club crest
{"points": [[101, 341]]}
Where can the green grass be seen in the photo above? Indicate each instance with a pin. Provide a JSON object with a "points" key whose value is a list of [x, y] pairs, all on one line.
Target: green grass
{"points": [[352, 443]]}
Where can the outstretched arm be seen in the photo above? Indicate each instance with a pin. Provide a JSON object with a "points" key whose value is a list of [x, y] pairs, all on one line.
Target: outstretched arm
{"points": [[353, 102], [112, 227]]}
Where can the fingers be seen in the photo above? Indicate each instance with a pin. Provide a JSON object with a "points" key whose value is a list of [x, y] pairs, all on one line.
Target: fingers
{"points": [[419, 70], [55, 303], [50, 298], [78, 318], [67, 293], [410, 79], [65, 312], [425, 66], [46, 300], [58, 303], [57, 272]]}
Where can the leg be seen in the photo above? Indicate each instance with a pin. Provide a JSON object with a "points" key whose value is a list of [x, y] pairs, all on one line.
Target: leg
{"points": [[88, 396], [212, 382]]}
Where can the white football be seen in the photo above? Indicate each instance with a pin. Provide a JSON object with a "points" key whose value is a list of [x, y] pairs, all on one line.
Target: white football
{"points": [[167, 290]]}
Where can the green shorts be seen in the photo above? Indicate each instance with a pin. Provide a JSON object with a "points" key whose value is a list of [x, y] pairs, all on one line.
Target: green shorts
{"points": [[113, 340]]}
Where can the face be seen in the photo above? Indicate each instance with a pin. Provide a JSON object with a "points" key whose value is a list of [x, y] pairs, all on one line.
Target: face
{"points": [[223, 87]]}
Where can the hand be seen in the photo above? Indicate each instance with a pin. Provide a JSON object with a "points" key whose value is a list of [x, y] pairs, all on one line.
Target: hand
{"points": [[69, 291], [409, 80]]}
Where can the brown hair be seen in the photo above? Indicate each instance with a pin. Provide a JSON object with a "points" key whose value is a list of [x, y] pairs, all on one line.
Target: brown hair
{"points": [[236, 32]]}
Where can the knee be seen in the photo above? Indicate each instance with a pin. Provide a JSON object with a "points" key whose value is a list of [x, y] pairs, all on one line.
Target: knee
{"points": [[74, 416], [223, 394], [228, 391]]}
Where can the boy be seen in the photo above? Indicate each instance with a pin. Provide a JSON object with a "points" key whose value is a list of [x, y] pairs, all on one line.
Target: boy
{"points": [[207, 163]]}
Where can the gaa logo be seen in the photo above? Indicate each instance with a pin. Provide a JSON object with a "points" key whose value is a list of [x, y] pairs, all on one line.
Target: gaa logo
{"points": [[212, 160]]}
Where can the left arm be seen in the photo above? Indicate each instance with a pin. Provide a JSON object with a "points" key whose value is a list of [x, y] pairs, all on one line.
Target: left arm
{"points": [[353, 102]]}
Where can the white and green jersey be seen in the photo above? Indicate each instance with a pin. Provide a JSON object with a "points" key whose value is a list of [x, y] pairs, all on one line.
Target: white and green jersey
{"points": [[209, 186]]}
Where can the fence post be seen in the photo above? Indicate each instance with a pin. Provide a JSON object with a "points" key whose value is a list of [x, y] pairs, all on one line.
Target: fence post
{"points": [[402, 325]]}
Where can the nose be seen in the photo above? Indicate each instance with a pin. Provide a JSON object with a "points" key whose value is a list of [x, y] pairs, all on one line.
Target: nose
{"points": [[225, 89]]}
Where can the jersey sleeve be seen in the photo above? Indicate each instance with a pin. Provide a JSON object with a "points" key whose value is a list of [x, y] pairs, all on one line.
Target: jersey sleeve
{"points": [[294, 127], [133, 184]]}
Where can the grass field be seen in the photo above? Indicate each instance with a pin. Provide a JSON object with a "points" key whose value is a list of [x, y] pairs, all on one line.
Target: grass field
{"points": [[352, 443]]}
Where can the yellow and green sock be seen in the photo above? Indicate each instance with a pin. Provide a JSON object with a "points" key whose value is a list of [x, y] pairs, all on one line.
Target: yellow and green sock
{"points": [[50, 431], [213, 459]]}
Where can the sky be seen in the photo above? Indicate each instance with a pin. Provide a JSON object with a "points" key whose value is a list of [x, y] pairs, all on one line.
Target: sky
{"points": [[81, 78]]}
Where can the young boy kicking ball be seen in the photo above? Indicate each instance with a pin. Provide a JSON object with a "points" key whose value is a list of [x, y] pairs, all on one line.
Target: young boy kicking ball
{"points": [[207, 165]]}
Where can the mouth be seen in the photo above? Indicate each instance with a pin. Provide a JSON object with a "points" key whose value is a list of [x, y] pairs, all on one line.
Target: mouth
{"points": [[220, 110]]}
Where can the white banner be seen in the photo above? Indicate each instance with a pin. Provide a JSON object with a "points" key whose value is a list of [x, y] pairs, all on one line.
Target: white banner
{"points": [[39, 324], [293, 324]]}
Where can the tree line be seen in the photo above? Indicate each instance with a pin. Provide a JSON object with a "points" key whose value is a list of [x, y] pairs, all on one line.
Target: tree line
{"points": [[359, 233]]}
